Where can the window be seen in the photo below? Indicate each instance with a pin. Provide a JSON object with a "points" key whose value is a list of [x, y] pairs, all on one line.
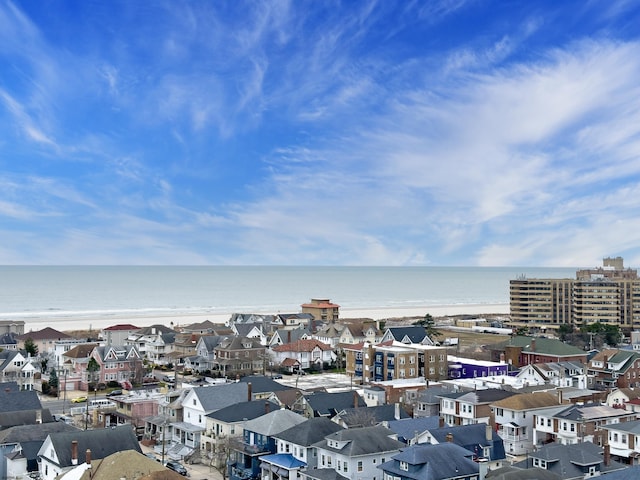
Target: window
{"points": [[404, 466]]}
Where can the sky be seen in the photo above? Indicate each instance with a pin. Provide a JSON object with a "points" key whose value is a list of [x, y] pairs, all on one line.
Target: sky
{"points": [[311, 132]]}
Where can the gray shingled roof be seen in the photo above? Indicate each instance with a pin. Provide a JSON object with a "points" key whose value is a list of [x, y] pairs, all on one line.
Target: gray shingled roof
{"points": [[324, 403], [16, 401], [407, 428], [432, 462], [102, 442], [309, 432], [219, 396], [415, 334], [243, 411], [262, 384], [274, 422], [514, 473], [362, 441], [379, 413]]}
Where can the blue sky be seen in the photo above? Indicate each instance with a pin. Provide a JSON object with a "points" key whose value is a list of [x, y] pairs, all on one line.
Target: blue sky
{"points": [[444, 132]]}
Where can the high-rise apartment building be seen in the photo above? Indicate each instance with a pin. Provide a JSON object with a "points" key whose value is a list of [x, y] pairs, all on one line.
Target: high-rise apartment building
{"points": [[606, 294]]}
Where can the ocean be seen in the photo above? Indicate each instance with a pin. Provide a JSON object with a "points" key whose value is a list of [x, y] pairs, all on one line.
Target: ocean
{"points": [[68, 292]]}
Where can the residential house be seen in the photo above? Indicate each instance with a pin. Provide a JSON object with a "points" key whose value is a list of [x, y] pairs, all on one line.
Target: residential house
{"points": [[261, 387], [206, 345], [19, 447], [410, 334], [357, 332], [9, 341], [522, 350], [60, 451], [238, 356], [322, 309], [118, 363], [577, 423], [15, 326], [356, 453], [154, 343], [288, 336], [329, 334], [620, 397], [20, 407], [309, 354], [446, 461], [427, 402], [465, 408], [118, 334], [514, 473], [126, 464], [250, 330], [298, 442], [616, 368], [200, 328], [226, 424], [411, 430], [624, 441], [16, 366], [201, 401], [62, 347], [513, 418], [133, 408], [259, 440], [44, 339], [479, 439], [564, 374], [573, 461], [295, 320], [354, 417], [73, 374], [403, 390], [325, 404], [268, 323]]}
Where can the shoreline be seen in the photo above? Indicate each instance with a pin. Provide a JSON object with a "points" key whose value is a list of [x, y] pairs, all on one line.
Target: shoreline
{"points": [[79, 322]]}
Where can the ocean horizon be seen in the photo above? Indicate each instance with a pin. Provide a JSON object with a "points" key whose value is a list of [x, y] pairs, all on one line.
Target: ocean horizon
{"points": [[40, 293]]}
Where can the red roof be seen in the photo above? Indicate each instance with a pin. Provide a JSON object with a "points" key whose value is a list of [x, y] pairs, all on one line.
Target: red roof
{"points": [[123, 326], [47, 333], [302, 346]]}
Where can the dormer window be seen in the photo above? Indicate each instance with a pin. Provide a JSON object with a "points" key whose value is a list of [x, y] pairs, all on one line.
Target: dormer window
{"points": [[404, 466]]}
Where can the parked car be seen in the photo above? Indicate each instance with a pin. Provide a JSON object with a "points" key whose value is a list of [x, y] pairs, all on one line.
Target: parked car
{"points": [[152, 456], [176, 467], [79, 399], [114, 393]]}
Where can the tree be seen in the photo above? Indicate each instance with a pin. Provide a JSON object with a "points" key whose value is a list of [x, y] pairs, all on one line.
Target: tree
{"points": [[30, 347], [92, 367], [53, 378], [565, 330], [429, 325], [43, 364]]}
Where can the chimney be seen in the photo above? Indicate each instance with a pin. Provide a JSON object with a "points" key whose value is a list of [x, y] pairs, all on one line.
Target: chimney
{"points": [[488, 433], [249, 392], [441, 422], [449, 437], [533, 345], [74, 452], [288, 336], [88, 458], [559, 396], [355, 400], [483, 468], [502, 358], [607, 454], [267, 408], [396, 414], [38, 416]]}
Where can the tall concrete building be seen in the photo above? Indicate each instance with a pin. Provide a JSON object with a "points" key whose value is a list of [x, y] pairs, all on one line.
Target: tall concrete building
{"points": [[606, 294]]}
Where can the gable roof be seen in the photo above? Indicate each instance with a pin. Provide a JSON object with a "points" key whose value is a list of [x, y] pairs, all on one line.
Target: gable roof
{"points": [[325, 403], [528, 401], [309, 432], [274, 422], [415, 334], [406, 428], [262, 384], [243, 411], [126, 464], [514, 473], [477, 397], [219, 396], [470, 437], [121, 327], [361, 441], [16, 401], [433, 462], [102, 442], [80, 351], [378, 414], [303, 345]]}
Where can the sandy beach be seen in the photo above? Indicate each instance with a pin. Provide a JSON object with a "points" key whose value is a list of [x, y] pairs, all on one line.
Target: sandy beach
{"points": [[382, 313]]}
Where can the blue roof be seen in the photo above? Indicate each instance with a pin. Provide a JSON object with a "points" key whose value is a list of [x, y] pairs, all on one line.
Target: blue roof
{"points": [[284, 460], [406, 428]]}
